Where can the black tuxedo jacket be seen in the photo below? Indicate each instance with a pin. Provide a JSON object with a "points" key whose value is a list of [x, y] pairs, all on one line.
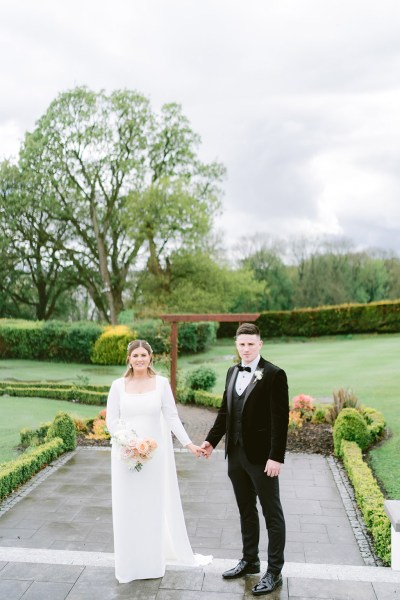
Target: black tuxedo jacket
{"points": [[265, 414]]}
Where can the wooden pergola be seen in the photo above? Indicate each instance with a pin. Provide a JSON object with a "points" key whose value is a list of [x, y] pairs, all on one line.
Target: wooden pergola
{"points": [[180, 318]]}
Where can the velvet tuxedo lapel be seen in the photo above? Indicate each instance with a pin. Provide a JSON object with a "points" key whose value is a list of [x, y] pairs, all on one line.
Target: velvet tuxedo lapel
{"points": [[229, 391], [253, 382]]}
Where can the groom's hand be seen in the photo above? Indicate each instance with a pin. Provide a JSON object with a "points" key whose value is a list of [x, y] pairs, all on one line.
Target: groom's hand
{"points": [[272, 468], [196, 450], [207, 449]]}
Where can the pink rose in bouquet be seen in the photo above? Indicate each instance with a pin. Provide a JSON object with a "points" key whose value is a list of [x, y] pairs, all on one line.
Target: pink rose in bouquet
{"points": [[132, 450]]}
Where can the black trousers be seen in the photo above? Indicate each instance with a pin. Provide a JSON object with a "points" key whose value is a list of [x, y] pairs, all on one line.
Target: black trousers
{"points": [[250, 481]]}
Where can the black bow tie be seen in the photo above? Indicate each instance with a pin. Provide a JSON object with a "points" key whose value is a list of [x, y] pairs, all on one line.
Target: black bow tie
{"points": [[248, 369]]}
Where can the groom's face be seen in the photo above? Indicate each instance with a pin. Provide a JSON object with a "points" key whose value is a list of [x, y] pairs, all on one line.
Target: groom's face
{"points": [[248, 347]]}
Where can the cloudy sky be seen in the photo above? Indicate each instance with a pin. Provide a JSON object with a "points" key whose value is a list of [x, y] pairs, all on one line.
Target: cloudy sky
{"points": [[299, 99]]}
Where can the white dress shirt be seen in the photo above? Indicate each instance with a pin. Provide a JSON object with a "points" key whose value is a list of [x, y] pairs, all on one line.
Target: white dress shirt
{"points": [[244, 377]]}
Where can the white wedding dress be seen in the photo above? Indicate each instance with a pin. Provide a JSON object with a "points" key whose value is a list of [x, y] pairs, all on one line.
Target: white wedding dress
{"points": [[148, 521]]}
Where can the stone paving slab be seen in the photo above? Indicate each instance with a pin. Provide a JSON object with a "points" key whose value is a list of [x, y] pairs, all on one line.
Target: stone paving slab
{"points": [[65, 515], [56, 538], [47, 581]]}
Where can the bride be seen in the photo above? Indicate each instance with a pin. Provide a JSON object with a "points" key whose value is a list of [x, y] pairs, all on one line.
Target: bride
{"points": [[148, 521]]}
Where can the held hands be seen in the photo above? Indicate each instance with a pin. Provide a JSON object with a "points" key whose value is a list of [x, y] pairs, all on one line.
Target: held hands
{"points": [[196, 450], [206, 449], [272, 468]]}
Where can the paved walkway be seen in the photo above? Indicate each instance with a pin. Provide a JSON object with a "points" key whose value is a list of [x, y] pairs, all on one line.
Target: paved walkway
{"points": [[56, 535]]}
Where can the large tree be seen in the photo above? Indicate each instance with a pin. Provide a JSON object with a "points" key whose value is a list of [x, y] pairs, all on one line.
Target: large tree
{"points": [[34, 271], [105, 158]]}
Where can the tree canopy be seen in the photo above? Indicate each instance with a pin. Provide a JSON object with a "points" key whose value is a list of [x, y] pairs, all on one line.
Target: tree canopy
{"points": [[114, 179]]}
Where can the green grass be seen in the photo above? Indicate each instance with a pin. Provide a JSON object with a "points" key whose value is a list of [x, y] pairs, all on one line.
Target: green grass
{"points": [[26, 370], [368, 364], [17, 413]]}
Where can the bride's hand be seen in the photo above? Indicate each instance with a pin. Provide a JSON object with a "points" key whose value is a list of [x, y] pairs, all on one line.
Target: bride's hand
{"points": [[196, 450]]}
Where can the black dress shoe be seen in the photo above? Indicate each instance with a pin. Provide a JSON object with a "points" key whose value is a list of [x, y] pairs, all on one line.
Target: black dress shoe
{"points": [[242, 568], [267, 584]]}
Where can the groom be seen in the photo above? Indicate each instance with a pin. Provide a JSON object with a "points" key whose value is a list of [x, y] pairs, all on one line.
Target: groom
{"points": [[254, 416]]}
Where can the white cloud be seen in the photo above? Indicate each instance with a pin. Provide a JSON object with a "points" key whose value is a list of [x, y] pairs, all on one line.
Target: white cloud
{"points": [[300, 100]]}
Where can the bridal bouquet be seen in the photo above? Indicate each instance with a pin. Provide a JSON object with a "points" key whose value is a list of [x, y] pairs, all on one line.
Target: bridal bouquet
{"points": [[133, 450]]}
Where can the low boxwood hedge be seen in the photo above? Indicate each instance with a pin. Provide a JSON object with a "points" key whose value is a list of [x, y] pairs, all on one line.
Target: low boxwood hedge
{"points": [[352, 426], [375, 421], [204, 398], [369, 498], [71, 393], [18, 471], [63, 427], [34, 437], [53, 386]]}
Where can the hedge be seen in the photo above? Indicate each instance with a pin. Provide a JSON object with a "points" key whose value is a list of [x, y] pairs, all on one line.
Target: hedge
{"points": [[17, 472], [85, 342], [192, 336], [71, 394], [207, 398], [63, 427], [375, 421], [369, 498], [34, 437], [54, 386], [48, 340], [350, 425], [376, 317]]}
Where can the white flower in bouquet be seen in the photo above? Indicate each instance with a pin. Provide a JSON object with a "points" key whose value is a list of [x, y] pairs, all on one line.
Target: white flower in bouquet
{"points": [[132, 450]]}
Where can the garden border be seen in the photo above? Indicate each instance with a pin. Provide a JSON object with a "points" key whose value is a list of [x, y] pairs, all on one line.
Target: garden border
{"points": [[360, 530]]}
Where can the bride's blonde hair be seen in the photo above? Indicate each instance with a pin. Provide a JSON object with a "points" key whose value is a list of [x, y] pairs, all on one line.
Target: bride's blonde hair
{"points": [[133, 346]]}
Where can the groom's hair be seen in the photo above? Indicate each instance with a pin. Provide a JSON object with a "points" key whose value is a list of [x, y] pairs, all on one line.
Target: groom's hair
{"points": [[247, 329]]}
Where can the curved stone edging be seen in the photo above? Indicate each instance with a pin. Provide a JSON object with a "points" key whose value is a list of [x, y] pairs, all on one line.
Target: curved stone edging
{"points": [[34, 481], [360, 530]]}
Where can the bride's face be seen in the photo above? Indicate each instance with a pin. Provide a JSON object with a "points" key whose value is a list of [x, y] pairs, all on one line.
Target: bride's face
{"points": [[139, 359]]}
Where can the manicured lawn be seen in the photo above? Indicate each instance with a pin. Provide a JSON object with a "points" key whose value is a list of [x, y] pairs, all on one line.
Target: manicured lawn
{"points": [[369, 364], [17, 413], [26, 370]]}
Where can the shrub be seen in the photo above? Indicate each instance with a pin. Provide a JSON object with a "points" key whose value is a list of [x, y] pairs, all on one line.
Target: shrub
{"points": [[204, 398], [196, 337], [156, 332], [351, 426], [63, 427], [110, 348], [80, 425], [16, 472], [34, 437], [295, 420], [304, 405], [203, 378], [99, 427], [369, 498], [99, 430], [375, 421], [342, 399], [319, 415]]}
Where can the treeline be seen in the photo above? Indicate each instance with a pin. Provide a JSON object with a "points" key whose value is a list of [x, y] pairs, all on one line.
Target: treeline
{"points": [[109, 208]]}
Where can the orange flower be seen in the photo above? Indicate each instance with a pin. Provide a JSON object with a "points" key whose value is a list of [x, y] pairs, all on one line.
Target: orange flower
{"points": [[143, 446]]}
